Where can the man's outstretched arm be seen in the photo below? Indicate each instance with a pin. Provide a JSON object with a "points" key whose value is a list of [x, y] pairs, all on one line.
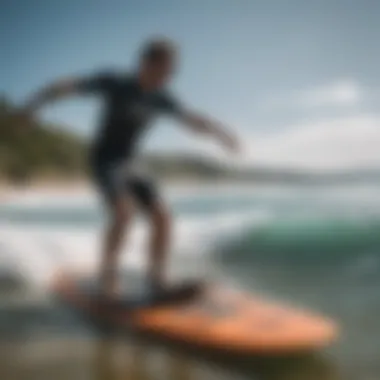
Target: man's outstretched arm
{"points": [[205, 125], [51, 93]]}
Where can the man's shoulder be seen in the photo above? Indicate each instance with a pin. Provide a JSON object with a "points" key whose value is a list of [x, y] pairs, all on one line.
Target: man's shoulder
{"points": [[113, 75], [105, 80]]}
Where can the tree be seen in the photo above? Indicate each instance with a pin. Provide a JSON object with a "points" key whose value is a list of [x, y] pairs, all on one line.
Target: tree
{"points": [[34, 149]]}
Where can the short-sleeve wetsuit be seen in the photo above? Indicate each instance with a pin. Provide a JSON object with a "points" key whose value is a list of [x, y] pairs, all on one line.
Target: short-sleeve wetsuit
{"points": [[128, 110]]}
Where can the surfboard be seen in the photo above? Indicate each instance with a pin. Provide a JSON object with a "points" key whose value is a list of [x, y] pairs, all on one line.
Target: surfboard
{"points": [[205, 316]]}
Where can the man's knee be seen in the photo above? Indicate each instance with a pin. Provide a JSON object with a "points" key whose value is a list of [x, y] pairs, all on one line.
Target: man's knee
{"points": [[122, 212], [161, 218]]}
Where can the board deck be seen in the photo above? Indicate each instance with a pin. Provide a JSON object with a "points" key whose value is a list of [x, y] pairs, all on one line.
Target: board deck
{"points": [[132, 301], [212, 317]]}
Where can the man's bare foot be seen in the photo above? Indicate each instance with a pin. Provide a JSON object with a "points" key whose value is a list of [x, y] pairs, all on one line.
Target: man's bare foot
{"points": [[157, 285], [108, 295]]}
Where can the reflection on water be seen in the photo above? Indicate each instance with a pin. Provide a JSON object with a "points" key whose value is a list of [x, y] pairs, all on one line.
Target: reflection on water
{"points": [[113, 360], [120, 359]]}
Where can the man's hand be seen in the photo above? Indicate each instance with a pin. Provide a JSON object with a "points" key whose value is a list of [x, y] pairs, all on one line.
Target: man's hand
{"points": [[23, 118], [54, 91], [230, 142]]}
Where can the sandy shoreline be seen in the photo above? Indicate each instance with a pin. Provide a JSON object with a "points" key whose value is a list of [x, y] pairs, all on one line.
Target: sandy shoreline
{"points": [[8, 190], [84, 186], [72, 186], [49, 186]]}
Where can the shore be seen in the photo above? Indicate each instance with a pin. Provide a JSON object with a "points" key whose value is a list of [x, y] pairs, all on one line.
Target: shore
{"points": [[53, 186], [59, 186]]}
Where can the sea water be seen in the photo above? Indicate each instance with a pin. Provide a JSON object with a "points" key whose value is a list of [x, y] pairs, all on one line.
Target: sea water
{"points": [[312, 246]]}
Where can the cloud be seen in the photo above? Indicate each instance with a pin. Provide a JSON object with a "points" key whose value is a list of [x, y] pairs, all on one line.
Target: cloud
{"points": [[341, 93], [350, 141], [342, 143]]}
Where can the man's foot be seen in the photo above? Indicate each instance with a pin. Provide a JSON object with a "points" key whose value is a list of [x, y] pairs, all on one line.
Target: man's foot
{"points": [[156, 286], [108, 296]]}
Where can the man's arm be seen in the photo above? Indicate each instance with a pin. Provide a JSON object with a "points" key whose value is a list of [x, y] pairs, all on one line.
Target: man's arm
{"points": [[199, 123], [207, 126], [99, 83], [51, 93]]}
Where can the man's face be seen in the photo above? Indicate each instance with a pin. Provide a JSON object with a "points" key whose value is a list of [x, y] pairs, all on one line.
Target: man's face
{"points": [[160, 71]]}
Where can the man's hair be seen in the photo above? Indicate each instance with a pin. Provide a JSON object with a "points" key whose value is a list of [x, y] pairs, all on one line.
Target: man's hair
{"points": [[157, 50]]}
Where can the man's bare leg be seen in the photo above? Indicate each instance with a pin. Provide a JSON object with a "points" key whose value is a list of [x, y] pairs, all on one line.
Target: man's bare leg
{"points": [[120, 216], [159, 243]]}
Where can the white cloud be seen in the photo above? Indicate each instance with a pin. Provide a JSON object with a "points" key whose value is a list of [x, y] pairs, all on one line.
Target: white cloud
{"points": [[322, 145], [341, 93], [336, 94]]}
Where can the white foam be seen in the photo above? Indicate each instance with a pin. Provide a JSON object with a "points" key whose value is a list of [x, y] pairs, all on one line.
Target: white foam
{"points": [[35, 252], [30, 198]]}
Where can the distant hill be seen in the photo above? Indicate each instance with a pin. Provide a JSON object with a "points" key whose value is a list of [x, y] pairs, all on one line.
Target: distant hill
{"points": [[187, 166], [29, 148]]}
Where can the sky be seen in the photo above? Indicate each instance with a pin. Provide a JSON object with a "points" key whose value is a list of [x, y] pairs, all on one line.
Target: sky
{"points": [[297, 80]]}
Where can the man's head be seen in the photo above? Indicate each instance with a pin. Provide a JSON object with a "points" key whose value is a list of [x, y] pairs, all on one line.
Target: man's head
{"points": [[157, 62]]}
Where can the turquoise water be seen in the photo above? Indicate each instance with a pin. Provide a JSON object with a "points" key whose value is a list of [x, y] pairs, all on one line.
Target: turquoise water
{"points": [[314, 247]]}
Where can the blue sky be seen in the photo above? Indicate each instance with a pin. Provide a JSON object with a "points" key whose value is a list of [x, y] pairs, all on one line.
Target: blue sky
{"points": [[287, 75]]}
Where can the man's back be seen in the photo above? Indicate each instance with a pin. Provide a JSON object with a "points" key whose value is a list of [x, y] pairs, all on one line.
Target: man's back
{"points": [[128, 111]]}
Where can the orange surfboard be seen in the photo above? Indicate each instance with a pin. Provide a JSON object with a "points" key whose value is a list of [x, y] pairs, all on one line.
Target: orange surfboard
{"points": [[217, 318]]}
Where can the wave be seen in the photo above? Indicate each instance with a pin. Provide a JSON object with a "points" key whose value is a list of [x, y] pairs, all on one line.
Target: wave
{"points": [[305, 240]]}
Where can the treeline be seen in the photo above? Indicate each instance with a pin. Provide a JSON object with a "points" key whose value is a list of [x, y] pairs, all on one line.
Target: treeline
{"points": [[30, 148], [182, 166]]}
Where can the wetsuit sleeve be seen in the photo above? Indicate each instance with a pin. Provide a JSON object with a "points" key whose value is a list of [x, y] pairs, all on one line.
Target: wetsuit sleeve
{"points": [[98, 83], [170, 105]]}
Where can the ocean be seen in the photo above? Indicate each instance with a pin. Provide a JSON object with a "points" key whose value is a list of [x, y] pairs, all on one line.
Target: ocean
{"points": [[316, 247]]}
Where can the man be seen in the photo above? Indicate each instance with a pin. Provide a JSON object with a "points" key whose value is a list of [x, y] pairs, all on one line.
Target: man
{"points": [[131, 101]]}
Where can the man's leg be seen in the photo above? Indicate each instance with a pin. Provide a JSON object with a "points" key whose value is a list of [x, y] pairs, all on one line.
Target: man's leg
{"points": [[146, 194], [160, 220], [121, 212]]}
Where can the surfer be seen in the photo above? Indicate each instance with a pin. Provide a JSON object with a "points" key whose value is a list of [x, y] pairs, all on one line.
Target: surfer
{"points": [[131, 101]]}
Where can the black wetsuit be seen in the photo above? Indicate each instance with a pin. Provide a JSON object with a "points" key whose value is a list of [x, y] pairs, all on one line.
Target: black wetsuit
{"points": [[128, 111]]}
